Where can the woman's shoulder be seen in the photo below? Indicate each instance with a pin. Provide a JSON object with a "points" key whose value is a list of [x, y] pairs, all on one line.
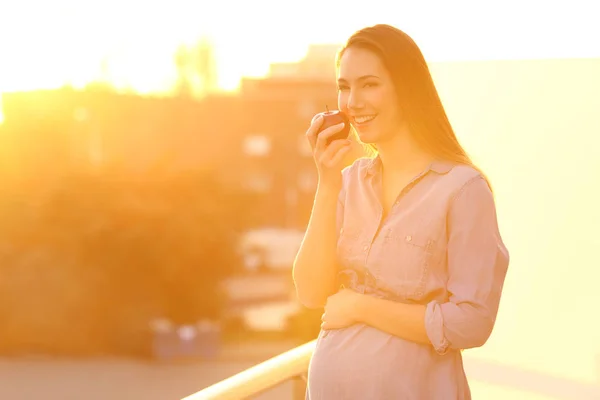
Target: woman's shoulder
{"points": [[460, 174], [360, 165], [462, 177]]}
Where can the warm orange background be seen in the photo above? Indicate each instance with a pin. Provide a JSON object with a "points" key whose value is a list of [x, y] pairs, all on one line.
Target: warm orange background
{"points": [[521, 86]]}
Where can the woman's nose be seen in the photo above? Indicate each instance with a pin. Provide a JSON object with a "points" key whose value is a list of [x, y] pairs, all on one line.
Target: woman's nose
{"points": [[354, 101]]}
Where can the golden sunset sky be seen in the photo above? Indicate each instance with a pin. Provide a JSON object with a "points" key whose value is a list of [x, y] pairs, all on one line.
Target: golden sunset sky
{"points": [[48, 44], [533, 127]]}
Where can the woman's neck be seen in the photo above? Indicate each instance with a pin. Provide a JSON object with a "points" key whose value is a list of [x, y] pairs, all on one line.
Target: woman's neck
{"points": [[402, 155]]}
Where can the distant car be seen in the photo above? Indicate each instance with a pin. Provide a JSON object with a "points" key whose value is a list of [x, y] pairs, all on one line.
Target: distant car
{"points": [[270, 248]]}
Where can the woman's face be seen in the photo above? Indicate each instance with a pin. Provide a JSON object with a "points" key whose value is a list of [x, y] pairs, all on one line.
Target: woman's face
{"points": [[367, 95]]}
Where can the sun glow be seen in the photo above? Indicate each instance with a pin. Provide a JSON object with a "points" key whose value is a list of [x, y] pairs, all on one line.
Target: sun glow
{"points": [[533, 129], [47, 45]]}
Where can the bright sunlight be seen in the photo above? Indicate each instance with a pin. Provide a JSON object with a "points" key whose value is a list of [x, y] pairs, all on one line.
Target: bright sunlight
{"points": [[520, 82], [132, 47]]}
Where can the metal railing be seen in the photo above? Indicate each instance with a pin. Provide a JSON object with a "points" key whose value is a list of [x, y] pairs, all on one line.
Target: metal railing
{"points": [[291, 365]]}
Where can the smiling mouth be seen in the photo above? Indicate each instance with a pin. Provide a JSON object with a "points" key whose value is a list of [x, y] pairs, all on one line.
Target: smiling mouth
{"points": [[364, 119]]}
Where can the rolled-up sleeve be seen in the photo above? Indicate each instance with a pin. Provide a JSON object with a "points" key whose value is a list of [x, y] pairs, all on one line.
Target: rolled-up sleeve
{"points": [[477, 266]]}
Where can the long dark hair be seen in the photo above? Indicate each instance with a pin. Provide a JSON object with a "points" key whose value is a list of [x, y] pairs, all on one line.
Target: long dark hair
{"points": [[419, 100]]}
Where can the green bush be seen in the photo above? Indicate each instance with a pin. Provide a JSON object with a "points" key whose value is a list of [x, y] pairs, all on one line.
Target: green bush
{"points": [[87, 264]]}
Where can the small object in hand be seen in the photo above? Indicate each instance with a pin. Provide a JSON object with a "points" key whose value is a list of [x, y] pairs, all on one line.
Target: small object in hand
{"points": [[335, 117]]}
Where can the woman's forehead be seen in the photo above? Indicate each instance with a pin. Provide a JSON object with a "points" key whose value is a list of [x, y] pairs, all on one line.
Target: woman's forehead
{"points": [[357, 63]]}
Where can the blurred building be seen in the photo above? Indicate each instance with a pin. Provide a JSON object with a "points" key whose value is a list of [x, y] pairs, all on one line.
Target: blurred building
{"points": [[276, 158], [252, 140], [57, 131], [318, 64]]}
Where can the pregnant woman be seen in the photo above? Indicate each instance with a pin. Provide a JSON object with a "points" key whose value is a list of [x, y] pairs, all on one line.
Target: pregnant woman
{"points": [[402, 249]]}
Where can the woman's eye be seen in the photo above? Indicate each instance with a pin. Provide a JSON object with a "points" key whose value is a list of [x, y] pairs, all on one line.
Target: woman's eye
{"points": [[370, 84], [342, 87]]}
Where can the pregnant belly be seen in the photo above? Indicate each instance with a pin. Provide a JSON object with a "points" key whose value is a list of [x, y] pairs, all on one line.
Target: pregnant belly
{"points": [[362, 362]]}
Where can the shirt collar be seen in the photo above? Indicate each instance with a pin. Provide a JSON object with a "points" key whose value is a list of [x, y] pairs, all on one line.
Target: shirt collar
{"points": [[440, 167]]}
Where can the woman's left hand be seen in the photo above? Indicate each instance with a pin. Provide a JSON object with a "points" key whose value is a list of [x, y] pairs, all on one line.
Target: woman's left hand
{"points": [[340, 310]]}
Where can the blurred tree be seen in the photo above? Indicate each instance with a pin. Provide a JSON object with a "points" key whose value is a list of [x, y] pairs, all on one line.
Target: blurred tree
{"points": [[206, 65], [86, 266], [184, 85], [196, 69]]}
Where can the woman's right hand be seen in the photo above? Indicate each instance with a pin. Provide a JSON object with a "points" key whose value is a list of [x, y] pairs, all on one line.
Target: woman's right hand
{"points": [[329, 158]]}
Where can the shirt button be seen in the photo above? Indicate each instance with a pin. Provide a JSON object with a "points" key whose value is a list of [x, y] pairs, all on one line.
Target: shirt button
{"points": [[365, 248], [408, 238]]}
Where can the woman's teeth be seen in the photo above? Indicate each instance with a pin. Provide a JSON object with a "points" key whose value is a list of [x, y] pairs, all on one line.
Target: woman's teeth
{"points": [[364, 118]]}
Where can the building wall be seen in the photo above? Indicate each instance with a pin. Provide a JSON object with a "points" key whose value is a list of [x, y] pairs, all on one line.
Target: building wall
{"points": [[253, 140]]}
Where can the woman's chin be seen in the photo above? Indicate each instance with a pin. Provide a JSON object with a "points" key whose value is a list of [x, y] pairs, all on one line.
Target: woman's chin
{"points": [[368, 133], [366, 137]]}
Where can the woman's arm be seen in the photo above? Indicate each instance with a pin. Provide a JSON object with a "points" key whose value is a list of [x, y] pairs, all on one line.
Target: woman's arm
{"points": [[315, 267], [406, 321], [477, 267]]}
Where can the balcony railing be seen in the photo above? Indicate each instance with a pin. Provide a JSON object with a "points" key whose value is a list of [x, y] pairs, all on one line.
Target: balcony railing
{"points": [[293, 365]]}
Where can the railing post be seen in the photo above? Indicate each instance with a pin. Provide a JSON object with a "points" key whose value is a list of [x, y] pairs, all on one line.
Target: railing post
{"points": [[299, 387]]}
